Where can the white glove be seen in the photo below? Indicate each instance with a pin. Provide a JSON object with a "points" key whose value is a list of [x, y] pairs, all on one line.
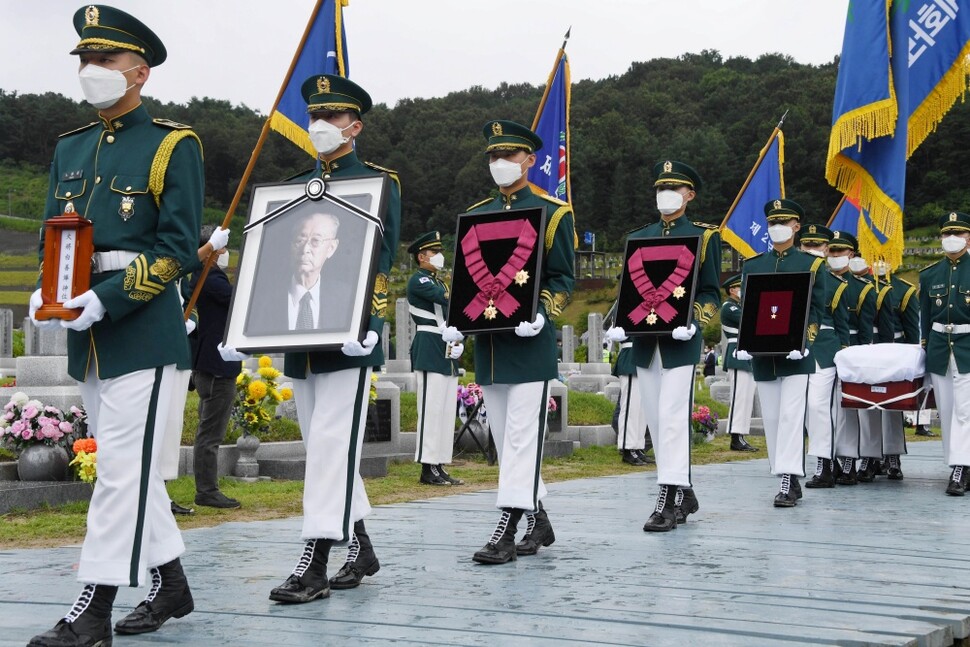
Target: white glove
{"points": [[742, 354], [456, 350], [615, 335], [189, 326], [450, 334], [526, 329], [354, 348], [36, 301], [683, 333], [92, 313], [797, 355], [219, 239], [230, 354]]}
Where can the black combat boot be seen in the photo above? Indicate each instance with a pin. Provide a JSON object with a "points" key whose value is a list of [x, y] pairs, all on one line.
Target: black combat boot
{"points": [[431, 476], [868, 468], [309, 579], [685, 504], [894, 471], [87, 625], [448, 477], [958, 481], [361, 560], [848, 474], [823, 477], [537, 533], [632, 457], [500, 549], [169, 597], [740, 444], [786, 497], [664, 516]]}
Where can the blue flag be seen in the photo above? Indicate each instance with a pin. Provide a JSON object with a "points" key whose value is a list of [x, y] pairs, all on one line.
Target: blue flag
{"points": [[745, 227], [322, 51], [550, 174], [902, 68]]}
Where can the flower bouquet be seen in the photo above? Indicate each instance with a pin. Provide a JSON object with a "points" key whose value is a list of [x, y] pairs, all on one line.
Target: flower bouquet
{"points": [[86, 459], [468, 398], [27, 422], [703, 423], [257, 394]]}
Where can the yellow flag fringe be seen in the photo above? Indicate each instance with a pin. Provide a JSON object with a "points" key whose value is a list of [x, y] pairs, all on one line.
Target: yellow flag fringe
{"points": [[952, 86], [284, 126]]}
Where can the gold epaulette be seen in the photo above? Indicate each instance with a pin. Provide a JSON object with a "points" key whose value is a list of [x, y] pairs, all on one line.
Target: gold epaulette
{"points": [[554, 200], [906, 297], [931, 265], [77, 130], [708, 234], [817, 264], [838, 294], [862, 296], [392, 173], [478, 204], [554, 224], [881, 296], [156, 176], [168, 123]]}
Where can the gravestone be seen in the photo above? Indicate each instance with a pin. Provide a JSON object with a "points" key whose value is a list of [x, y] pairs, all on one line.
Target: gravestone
{"points": [[568, 344], [386, 340], [6, 332], [404, 329], [44, 343], [595, 344]]}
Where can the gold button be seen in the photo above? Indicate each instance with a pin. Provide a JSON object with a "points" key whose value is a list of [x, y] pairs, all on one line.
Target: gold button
{"points": [[127, 188], [97, 180], [68, 194], [110, 139], [508, 206], [326, 176]]}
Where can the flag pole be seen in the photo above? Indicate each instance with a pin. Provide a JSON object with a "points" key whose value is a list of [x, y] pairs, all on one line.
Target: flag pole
{"points": [[552, 76], [838, 207], [257, 149], [754, 169]]}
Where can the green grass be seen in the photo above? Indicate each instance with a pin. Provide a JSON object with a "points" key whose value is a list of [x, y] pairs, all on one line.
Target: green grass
{"points": [[589, 409], [10, 298], [18, 262], [15, 278], [16, 224]]}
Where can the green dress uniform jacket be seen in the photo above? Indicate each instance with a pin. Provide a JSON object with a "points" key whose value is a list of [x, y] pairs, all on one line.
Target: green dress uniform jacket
{"points": [[299, 364], [425, 291], [707, 294], [141, 182], [624, 362], [730, 324], [859, 303], [833, 333], [944, 300], [766, 369], [884, 330], [905, 310], [506, 358]]}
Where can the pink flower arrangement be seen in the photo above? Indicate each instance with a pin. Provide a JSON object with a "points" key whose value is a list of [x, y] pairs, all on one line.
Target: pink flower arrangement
{"points": [[27, 422], [469, 395], [704, 421]]}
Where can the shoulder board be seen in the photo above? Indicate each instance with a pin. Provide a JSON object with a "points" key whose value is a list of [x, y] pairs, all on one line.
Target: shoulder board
{"points": [[77, 130], [838, 295], [299, 174], [839, 278], [168, 123], [697, 223], [901, 280], [817, 263], [931, 265], [380, 168], [859, 279], [546, 196], [478, 204]]}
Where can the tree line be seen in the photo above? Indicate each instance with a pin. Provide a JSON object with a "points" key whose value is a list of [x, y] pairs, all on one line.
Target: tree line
{"points": [[711, 112]]}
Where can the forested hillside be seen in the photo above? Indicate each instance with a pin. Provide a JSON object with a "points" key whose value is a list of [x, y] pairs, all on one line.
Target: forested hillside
{"points": [[710, 112]]}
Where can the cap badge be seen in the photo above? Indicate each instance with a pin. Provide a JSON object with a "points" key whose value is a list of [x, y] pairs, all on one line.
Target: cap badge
{"points": [[496, 129], [437, 235], [811, 229], [668, 166], [953, 217], [777, 204], [91, 15], [323, 85], [837, 234]]}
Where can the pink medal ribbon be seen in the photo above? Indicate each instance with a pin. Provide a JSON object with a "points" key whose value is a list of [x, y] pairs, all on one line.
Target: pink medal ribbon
{"points": [[492, 288], [654, 298]]}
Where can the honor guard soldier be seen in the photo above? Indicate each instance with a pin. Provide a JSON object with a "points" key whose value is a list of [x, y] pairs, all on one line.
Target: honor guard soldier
{"points": [[833, 335], [859, 302], [738, 370], [944, 299], [783, 381], [434, 361], [140, 181], [631, 425], [514, 368], [665, 365], [331, 388], [905, 311]]}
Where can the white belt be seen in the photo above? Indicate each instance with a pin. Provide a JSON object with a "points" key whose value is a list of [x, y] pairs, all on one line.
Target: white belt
{"points": [[112, 261], [427, 314], [825, 327], [898, 335], [626, 344], [853, 332], [732, 340], [729, 329], [959, 329], [433, 329]]}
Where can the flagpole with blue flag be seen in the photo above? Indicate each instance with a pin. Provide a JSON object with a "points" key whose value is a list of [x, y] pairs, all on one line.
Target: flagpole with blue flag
{"points": [[322, 50], [903, 65], [745, 227], [550, 174]]}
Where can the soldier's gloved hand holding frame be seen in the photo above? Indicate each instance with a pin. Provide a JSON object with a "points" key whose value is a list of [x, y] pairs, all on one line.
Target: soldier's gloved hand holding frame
{"points": [[615, 335], [36, 301], [742, 355], [526, 329], [230, 354], [93, 311], [354, 348], [451, 335], [456, 350], [683, 333], [797, 355]]}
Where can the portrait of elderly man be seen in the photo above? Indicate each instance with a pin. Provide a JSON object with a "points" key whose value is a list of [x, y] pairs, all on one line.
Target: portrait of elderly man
{"points": [[310, 303]]}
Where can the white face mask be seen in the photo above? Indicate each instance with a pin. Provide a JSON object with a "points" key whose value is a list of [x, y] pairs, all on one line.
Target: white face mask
{"points": [[437, 261], [326, 137], [838, 263], [953, 244], [102, 87], [222, 261], [857, 264], [505, 172], [814, 251], [669, 201], [780, 233]]}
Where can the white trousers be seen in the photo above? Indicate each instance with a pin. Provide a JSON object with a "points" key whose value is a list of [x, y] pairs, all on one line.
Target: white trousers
{"points": [[893, 434], [517, 418], [847, 432], [783, 409], [953, 403], [870, 433], [437, 401], [332, 409], [632, 424], [665, 396], [742, 401], [168, 463], [821, 414], [130, 524]]}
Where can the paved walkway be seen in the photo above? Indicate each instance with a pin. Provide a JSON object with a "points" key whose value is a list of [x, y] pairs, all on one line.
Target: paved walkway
{"points": [[874, 564]]}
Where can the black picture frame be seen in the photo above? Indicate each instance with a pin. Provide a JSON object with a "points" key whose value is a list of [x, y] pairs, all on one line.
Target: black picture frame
{"points": [[665, 269], [513, 301], [774, 312], [263, 307]]}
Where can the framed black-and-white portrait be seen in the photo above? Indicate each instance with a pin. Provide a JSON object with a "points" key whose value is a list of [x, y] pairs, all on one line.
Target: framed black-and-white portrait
{"points": [[498, 262], [774, 312], [657, 284], [308, 263]]}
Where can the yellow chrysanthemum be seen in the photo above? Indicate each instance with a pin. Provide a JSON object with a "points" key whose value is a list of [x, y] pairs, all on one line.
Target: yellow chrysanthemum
{"points": [[257, 389], [240, 378], [265, 361], [269, 372], [251, 417], [287, 393]]}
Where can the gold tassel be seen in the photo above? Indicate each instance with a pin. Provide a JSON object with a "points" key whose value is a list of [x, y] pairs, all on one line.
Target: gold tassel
{"points": [[950, 87], [284, 126]]}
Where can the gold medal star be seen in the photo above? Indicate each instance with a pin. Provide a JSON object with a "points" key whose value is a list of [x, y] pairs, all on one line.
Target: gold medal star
{"points": [[651, 318], [491, 310], [774, 316], [521, 277], [679, 292]]}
